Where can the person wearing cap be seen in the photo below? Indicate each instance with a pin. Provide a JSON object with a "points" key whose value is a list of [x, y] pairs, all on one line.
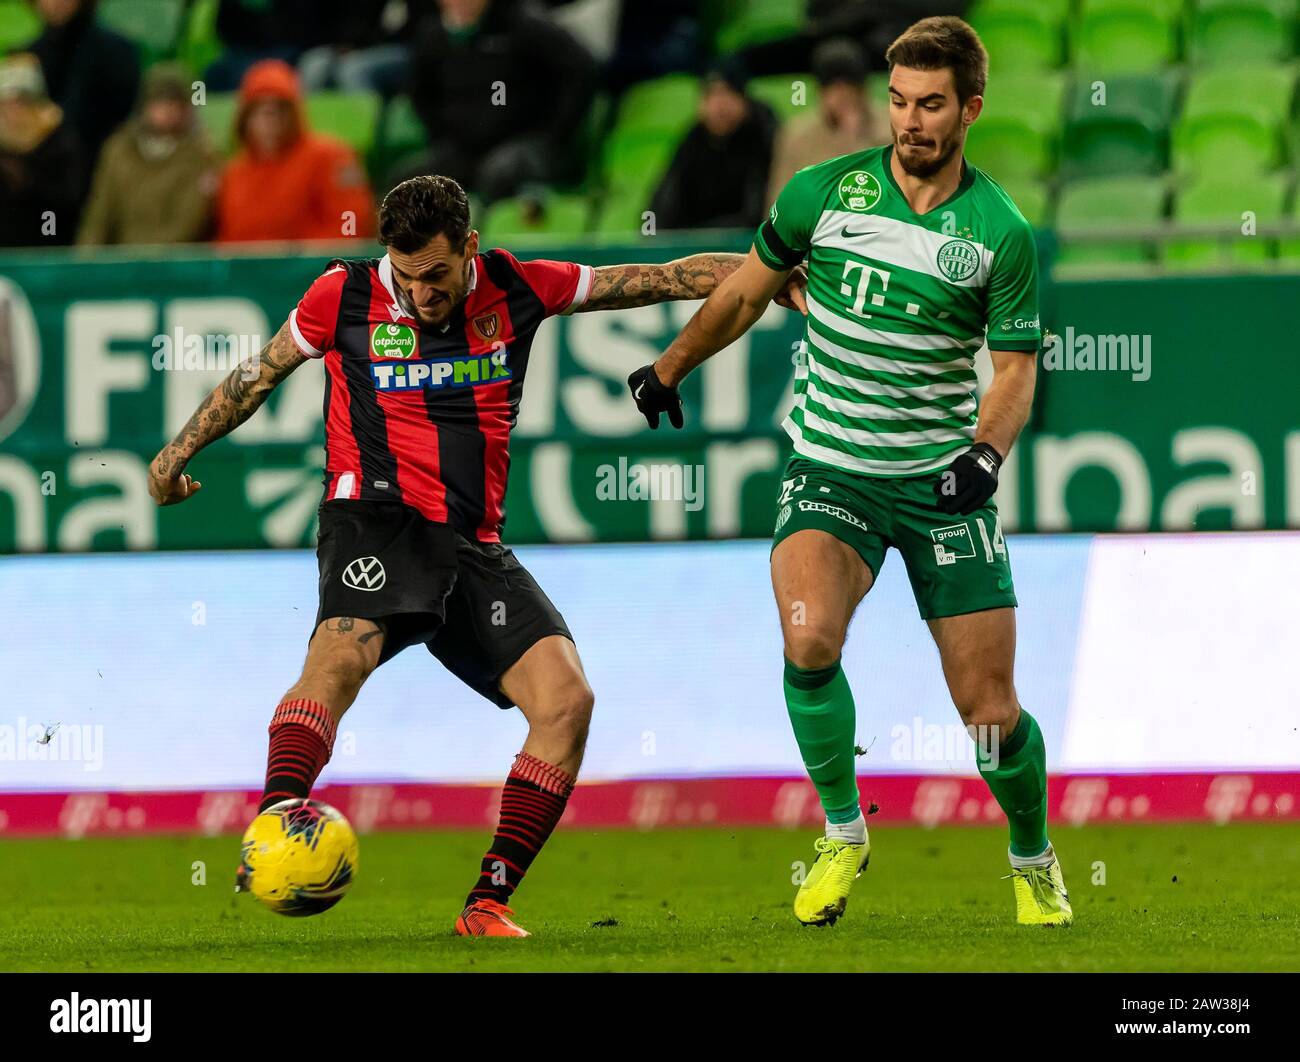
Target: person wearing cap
{"points": [[844, 121], [157, 175], [41, 160], [718, 176], [287, 182]]}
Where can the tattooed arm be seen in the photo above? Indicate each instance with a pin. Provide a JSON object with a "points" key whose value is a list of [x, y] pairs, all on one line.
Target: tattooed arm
{"points": [[695, 277], [231, 403]]}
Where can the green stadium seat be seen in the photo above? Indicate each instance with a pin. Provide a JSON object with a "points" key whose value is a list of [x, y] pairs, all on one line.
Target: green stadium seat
{"points": [[757, 21], [19, 25], [632, 166], [1123, 35], [1126, 134], [1007, 146], [199, 44], [1017, 133], [1242, 32], [400, 136], [154, 25], [1055, 11], [1234, 118], [665, 106], [352, 117], [1218, 200], [778, 92], [1031, 197], [1019, 37], [549, 215], [1106, 203], [620, 213], [1264, 91]]}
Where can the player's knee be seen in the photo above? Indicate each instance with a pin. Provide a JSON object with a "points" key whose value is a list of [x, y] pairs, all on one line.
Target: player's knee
{"points": [[988, 704], [812, 646], [342, 666], [567, 712]]}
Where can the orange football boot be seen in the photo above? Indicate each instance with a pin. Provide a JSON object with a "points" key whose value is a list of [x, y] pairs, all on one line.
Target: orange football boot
{"points": [[487, 918]]}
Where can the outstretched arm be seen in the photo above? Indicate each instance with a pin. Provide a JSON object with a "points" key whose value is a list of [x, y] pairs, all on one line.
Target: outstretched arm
{"points": [[231, 403], [697, 276], [727, 315]]}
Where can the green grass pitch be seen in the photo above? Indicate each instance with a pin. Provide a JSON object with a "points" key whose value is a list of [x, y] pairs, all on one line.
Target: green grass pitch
{"points": [[1187, 897]]}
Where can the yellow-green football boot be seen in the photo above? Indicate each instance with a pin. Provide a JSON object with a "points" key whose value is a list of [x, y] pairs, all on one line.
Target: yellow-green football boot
{"points": [[1041, 899], [822, 897]]}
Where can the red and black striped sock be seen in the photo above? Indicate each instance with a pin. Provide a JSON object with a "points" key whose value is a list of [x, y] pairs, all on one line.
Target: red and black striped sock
{"points": [[532, 802], [302, 738]]}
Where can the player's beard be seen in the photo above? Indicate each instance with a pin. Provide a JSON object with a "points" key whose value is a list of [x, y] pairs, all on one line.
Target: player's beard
{"points": [[446, 306], [929, 166]]}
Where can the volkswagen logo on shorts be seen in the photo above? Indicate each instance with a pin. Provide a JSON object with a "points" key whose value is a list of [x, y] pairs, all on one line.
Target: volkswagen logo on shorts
{"points": [[364, 573]]}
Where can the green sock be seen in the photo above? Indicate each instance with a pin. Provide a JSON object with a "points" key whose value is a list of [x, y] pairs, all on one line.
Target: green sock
{"points": [[821, 710], [1019, 784]]}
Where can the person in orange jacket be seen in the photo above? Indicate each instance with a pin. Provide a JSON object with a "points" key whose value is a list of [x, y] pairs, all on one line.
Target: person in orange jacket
{"points": [[286, 182]]}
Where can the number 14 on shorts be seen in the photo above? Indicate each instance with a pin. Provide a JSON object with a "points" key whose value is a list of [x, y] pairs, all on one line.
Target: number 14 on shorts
{"points": [[954, 542]]}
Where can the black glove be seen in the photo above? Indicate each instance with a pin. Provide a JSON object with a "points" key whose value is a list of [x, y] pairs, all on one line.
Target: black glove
{"points": [[969, 482], [652, 397]]}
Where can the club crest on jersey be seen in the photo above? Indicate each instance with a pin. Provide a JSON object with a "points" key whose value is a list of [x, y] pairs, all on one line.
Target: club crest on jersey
{"points": [[958, 260], [487, 324], [393, 341], [438, 373], [860, 191]]}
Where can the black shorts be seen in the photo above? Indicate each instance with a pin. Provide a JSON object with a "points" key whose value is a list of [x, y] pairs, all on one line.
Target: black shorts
{"points": [[472, 604]]}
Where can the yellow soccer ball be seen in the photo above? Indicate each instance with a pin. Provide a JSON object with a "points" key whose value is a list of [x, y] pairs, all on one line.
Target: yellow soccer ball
{"points": [[299, 857]]}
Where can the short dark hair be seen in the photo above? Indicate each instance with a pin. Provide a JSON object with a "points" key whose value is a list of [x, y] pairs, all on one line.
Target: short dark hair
{"points": [[944, 42], [421, 209]]}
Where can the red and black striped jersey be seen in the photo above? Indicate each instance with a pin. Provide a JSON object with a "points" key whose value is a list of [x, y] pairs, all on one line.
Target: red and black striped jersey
{"points": [[422, 415]]}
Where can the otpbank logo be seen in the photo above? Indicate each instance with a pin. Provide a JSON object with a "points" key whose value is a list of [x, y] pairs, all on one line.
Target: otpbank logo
{"points": [[438, 373], [393, 341]]}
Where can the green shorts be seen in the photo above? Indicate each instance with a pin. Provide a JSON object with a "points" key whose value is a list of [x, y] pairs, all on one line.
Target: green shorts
{"points": [[956, 564]]}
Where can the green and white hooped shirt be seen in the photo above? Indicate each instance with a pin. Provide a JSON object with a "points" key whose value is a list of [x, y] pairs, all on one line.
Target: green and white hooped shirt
{"points": [[898, 305]]}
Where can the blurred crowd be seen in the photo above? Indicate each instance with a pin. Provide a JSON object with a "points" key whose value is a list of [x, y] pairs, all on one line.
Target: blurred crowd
{"points": [[103, 143]]}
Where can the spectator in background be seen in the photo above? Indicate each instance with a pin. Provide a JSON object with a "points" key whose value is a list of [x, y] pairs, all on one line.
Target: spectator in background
{"points": [[368, 50], [500, 90], [41, 177], [844, 121], [718, 177], [653, 40], [92, 73], [157, 175], [286, 182], [253, 30]]}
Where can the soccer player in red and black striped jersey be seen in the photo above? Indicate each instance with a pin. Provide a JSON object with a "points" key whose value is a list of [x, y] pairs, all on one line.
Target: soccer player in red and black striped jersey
{"points": [[425, 352]]}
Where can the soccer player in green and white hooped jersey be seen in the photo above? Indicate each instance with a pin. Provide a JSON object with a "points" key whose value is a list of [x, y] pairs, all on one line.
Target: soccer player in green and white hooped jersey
{"points": [[915, 260]]}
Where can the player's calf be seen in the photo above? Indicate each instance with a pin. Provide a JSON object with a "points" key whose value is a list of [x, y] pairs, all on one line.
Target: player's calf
{"points": [[551, 691], [342, 654]]}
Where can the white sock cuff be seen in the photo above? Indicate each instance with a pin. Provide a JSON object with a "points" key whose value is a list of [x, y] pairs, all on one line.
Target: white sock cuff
{"points": [[1044, 858]]}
